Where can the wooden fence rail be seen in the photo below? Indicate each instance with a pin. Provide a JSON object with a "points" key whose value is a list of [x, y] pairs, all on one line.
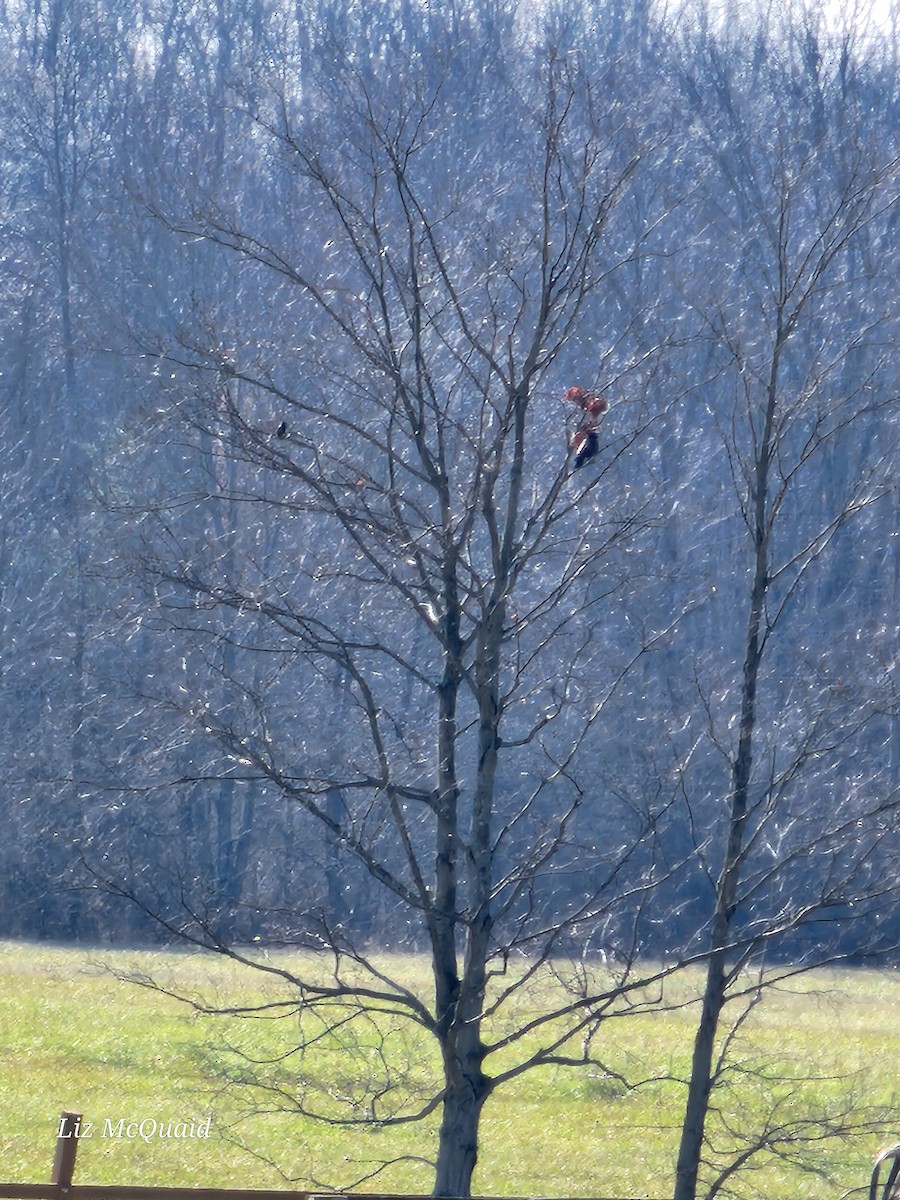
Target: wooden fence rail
{"points": [[112, 1191]]}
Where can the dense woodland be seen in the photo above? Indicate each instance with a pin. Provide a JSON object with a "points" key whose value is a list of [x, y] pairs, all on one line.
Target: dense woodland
{"points": [[311, 630], [745, 180]]}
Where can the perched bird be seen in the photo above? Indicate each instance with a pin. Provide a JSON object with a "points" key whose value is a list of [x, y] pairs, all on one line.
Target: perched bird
{"points": [[585, 443], [281, 431], [590, 403]]}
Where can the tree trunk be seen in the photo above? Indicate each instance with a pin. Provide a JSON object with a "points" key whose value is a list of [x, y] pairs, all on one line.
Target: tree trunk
{"points": [[461, 998], [714, 994], [467, 1090], [702, 1071]]}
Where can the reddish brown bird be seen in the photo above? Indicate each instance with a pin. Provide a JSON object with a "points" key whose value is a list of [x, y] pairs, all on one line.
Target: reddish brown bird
{"points": [[584, 443], [589, 402]]}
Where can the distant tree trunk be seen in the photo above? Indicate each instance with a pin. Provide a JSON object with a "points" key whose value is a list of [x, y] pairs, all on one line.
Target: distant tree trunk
{"points": [[726, 905]]}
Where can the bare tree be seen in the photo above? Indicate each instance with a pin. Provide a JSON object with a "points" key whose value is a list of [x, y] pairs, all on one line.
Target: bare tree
{"points": [[409, 543], [801, 401]]}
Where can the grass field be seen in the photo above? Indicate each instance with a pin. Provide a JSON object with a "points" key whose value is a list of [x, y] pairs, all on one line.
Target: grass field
{"points": [[73, 1036]]}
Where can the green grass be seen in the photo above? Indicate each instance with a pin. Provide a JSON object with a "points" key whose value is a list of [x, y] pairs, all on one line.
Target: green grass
{"points": [[74, 1036]]}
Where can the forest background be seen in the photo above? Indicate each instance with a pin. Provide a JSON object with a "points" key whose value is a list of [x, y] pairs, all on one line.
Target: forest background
{"points": [[313, 634]]}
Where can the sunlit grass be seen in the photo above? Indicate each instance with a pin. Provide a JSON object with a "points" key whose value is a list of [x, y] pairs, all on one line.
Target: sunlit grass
{"points": [[74, 1036]]}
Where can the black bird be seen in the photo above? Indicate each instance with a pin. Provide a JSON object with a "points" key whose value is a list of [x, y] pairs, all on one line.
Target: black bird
{"points": [[587, 448], [281, 431]]}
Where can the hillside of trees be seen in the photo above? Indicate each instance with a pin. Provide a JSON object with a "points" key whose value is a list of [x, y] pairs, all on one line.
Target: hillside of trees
{"points": [[218, 221]]}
